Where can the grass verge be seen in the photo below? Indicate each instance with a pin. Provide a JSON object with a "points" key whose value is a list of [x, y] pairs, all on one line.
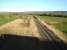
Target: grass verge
{"points": [[59, 23]]}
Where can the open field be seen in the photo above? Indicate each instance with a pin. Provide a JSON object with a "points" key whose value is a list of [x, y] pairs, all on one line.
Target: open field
{"points": [[59, 23]]}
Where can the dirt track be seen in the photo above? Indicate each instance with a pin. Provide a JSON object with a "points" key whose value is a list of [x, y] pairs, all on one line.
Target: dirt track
{"points": [[20, 27]]}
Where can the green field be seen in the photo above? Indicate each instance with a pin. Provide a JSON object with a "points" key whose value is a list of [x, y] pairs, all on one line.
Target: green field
{"points": [[6, 18], [59, 23]]}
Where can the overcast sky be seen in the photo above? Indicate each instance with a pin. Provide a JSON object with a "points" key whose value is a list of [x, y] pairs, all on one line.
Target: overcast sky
{"points": [[33, 5]]}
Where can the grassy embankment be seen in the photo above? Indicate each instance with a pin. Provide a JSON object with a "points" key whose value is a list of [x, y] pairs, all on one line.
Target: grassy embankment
{"points": [[59, 23], [6, 18]]}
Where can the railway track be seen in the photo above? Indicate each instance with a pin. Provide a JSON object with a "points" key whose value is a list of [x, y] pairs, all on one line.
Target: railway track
{"points": [[50, 37], [45, 32]]}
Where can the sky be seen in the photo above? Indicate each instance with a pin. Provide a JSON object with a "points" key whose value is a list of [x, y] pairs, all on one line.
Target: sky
{"points": [[33, 5]]}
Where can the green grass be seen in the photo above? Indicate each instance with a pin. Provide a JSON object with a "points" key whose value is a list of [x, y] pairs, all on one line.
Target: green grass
{"points": [[53, 19], [6, 19], [60, 26], [59, 23]]}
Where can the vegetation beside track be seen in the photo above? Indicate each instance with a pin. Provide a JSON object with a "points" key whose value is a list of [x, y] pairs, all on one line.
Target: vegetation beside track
{"points": [[59, 23]]}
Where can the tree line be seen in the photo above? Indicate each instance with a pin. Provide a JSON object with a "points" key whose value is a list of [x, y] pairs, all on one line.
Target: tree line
{"points": [[53, 15]]}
